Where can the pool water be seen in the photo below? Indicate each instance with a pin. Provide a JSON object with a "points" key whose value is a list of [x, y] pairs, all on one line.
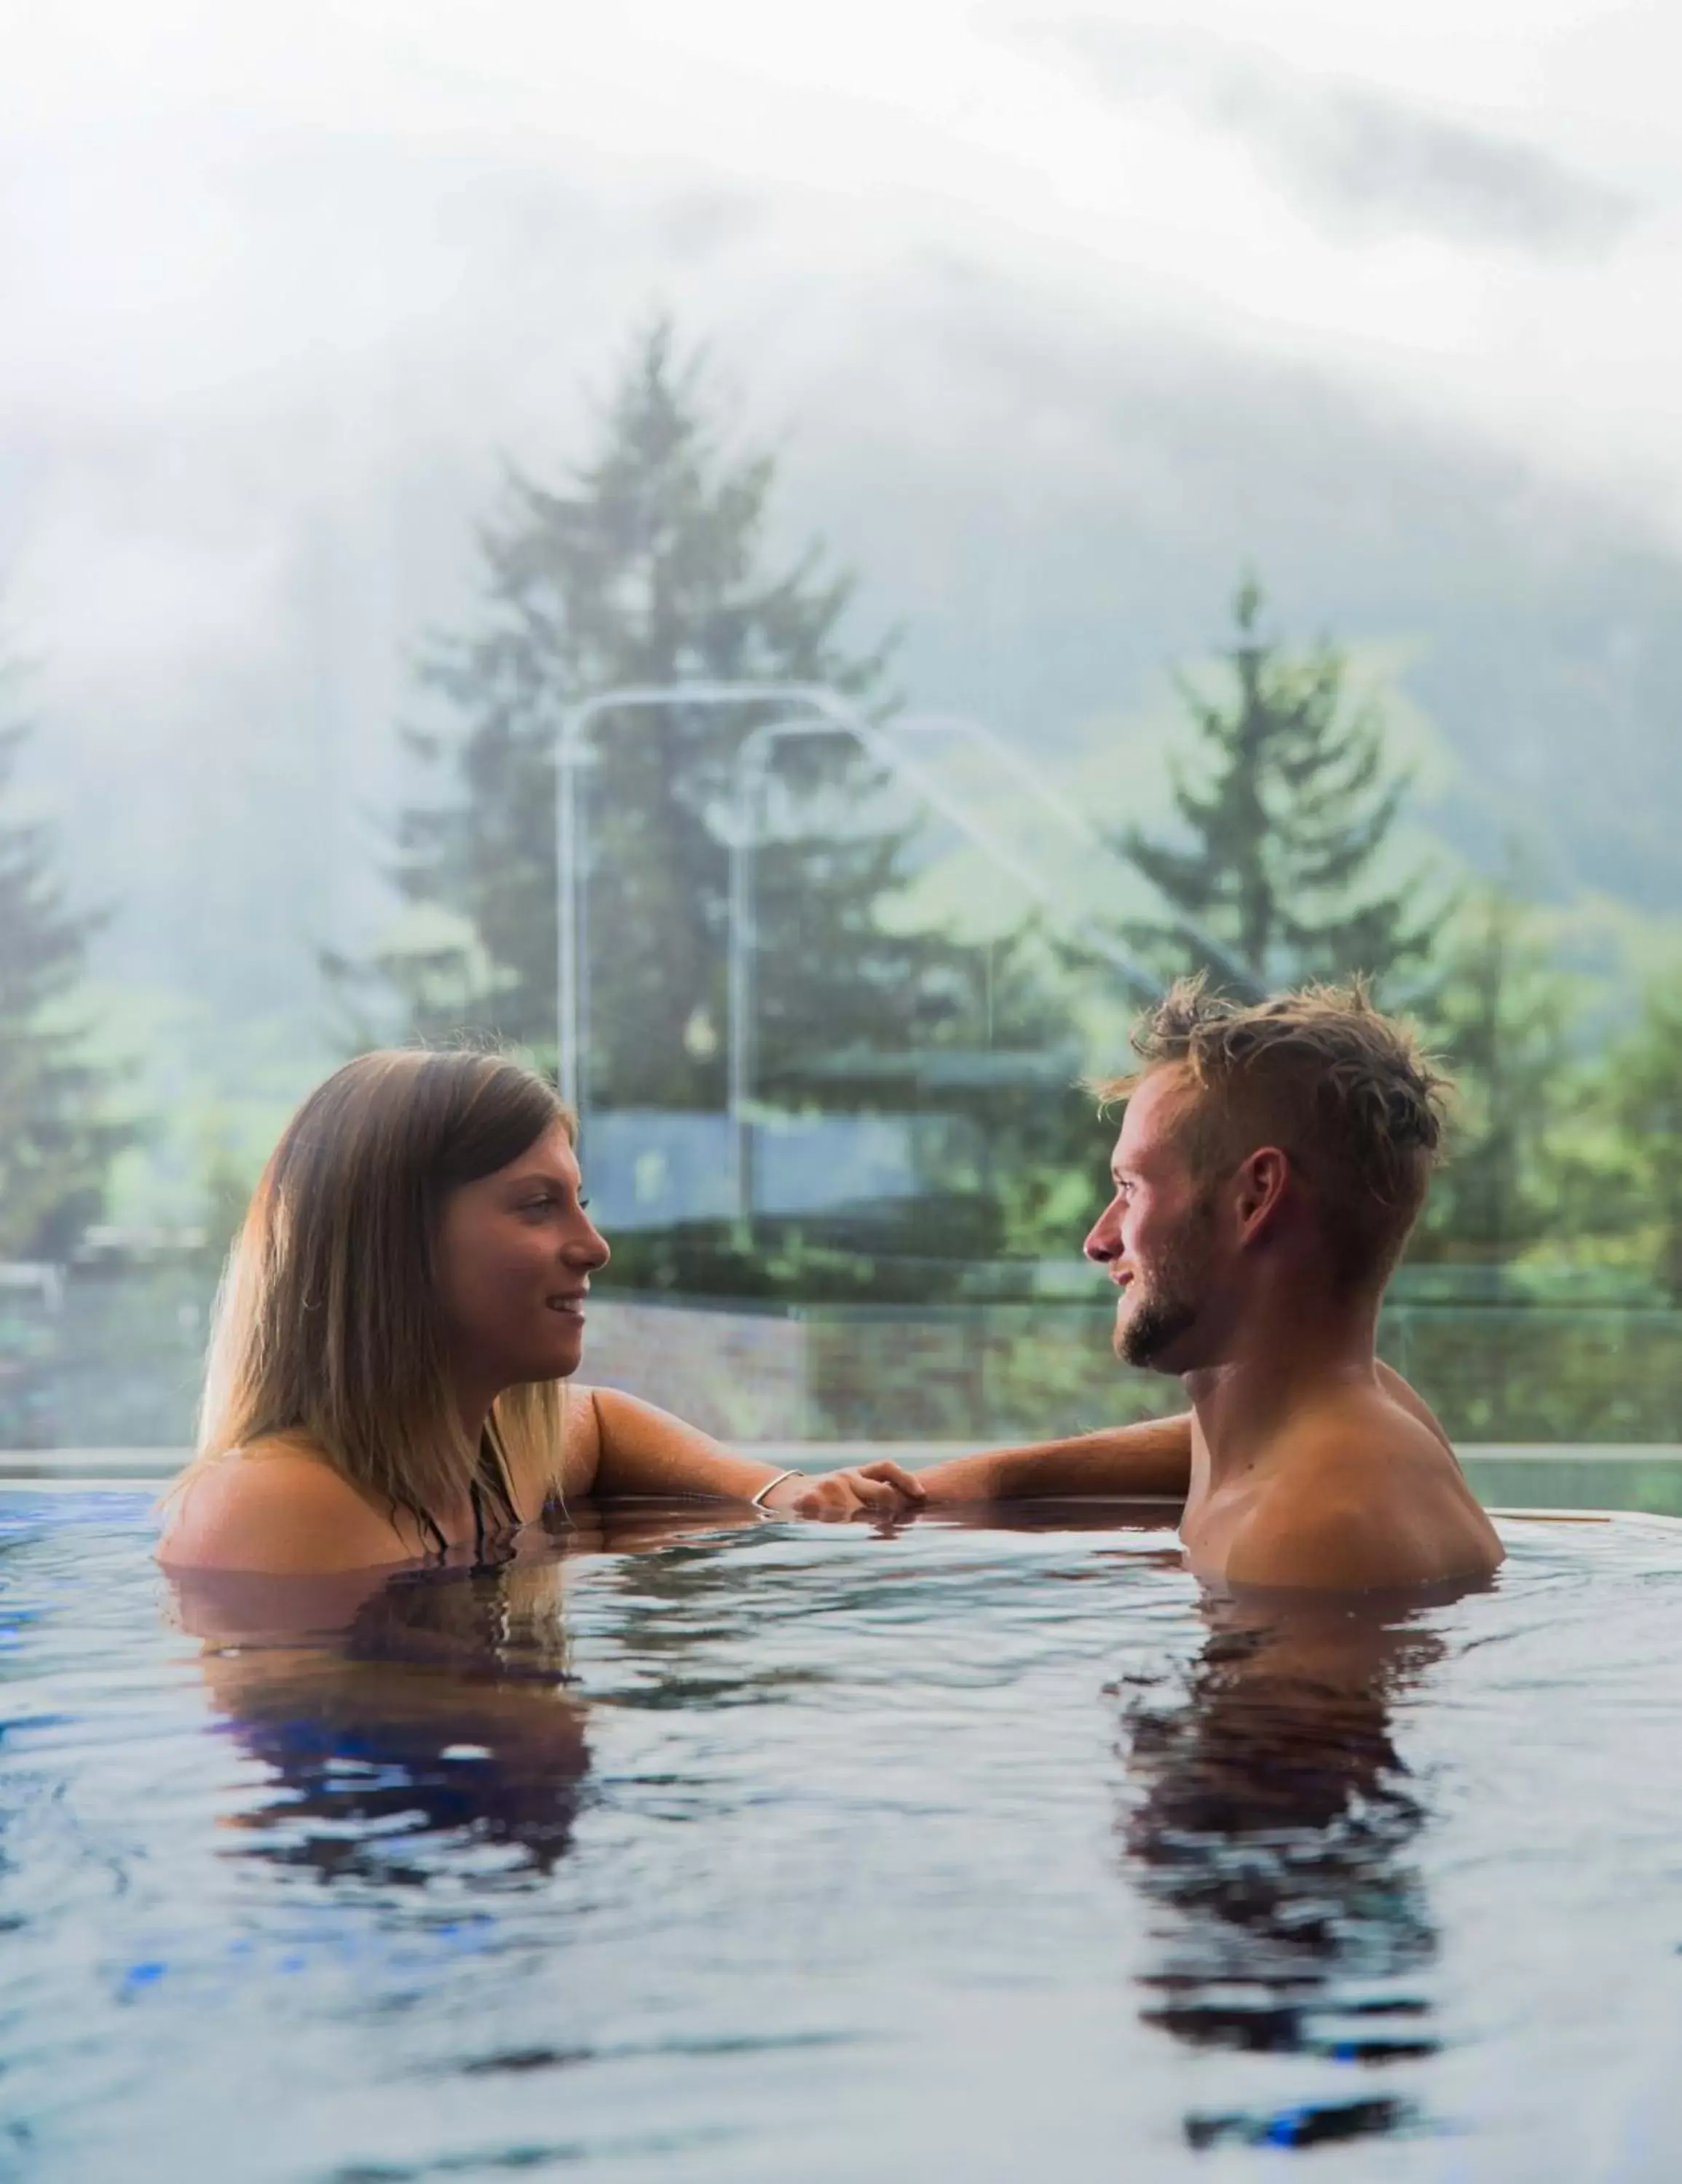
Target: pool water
{"points": [[691, 1848]]}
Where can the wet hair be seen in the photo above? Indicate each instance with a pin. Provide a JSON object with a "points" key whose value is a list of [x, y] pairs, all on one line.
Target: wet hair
{"points": [[1345, 1091], [329, 1324]]}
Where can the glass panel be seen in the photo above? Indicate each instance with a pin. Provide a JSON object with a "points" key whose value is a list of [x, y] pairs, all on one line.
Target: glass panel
{"points": [[796, 577]]}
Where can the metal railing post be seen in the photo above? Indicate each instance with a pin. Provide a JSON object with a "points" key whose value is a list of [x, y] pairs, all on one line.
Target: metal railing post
{"points": [[568, 1011], [833, 714]]}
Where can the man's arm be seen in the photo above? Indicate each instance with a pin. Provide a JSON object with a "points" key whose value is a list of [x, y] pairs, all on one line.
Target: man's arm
{"points": [[1152, 1458]]}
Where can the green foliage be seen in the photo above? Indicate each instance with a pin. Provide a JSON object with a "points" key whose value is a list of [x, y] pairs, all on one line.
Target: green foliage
{"points": [[1566, 1155], [1287, 816], [1501, 1014], [58, 1138], [1538, 1372], [1636, 1099]]}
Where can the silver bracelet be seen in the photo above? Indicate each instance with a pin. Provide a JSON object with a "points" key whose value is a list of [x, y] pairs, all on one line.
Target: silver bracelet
{"points": [[758, 1500]]}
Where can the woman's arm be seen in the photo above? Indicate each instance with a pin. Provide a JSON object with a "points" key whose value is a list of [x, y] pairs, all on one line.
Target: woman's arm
{"points": [[617, 1443], [1152, 1458]]}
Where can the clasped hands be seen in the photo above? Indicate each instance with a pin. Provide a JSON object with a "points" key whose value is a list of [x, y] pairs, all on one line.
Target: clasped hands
{"points": [[883, 1488]]}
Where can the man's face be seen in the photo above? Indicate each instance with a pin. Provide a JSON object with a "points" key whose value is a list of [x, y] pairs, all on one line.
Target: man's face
{"points": [[1158, 1234]]}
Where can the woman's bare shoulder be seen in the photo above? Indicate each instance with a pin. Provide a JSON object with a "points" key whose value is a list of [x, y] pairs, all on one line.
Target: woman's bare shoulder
{"points": [[277, 1507], [581, 1440]]}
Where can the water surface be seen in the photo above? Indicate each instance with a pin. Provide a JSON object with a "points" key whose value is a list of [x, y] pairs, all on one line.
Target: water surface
{"points": [[688, 1850]]}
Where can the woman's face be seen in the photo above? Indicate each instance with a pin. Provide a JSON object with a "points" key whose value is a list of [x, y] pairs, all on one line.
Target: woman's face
{"points": [[515, 1253]]}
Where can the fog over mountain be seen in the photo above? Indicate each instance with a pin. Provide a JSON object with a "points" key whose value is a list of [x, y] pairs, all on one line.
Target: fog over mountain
{"points": [[1359, 161], [1059, 321]]}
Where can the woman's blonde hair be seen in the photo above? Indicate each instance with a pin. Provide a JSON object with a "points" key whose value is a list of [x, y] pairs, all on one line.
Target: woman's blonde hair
{"points": [[328, 1324]]}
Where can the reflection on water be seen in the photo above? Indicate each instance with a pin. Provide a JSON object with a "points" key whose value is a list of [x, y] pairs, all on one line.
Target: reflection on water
{"points": [[405, 1718], [795, 1853], [445, 1715], [1271, 1829]]}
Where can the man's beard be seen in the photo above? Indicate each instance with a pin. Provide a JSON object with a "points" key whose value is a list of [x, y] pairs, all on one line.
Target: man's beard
{"points": [[1171, 1300]]}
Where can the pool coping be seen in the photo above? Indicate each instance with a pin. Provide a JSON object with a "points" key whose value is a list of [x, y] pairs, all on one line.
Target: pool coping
{"points": [[150, 1470], [85, 1467]]}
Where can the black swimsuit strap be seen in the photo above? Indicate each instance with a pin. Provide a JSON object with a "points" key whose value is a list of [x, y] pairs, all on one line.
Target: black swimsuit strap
{"points": [[491, 1472]]}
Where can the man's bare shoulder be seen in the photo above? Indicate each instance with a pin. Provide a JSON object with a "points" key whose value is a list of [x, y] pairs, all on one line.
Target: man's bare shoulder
{"points": [[277, 1508], [1366, 1497], [1350, 1547]]}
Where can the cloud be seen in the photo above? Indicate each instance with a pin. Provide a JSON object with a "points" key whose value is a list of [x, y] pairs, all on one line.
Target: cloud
{"points": [[1360, 164]]}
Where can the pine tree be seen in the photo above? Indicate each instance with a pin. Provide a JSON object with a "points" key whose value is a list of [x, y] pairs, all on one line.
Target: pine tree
{"points": [[650, 565], [1501, 1013], [1284, 818], [57, 1137]]}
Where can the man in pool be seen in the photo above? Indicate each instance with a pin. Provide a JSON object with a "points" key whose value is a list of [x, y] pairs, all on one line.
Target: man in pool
{"points": [[1272, 1161]]}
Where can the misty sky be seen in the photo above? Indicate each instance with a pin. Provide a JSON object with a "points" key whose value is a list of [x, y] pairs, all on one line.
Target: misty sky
{"points": [[281, 284]]}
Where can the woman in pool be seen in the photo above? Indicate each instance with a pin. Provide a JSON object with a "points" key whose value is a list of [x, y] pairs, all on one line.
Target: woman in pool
{"points": [[391, 1366]]}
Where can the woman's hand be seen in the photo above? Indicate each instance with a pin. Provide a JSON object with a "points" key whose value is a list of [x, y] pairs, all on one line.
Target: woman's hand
{"points": [[872, 1490]]}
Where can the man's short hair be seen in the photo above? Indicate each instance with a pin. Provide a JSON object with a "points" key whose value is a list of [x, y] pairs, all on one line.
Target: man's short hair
{"points": [[1345, 1090]]}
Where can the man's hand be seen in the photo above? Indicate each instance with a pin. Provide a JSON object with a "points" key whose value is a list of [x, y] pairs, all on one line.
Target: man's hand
{"points": [[872, 1490]]}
